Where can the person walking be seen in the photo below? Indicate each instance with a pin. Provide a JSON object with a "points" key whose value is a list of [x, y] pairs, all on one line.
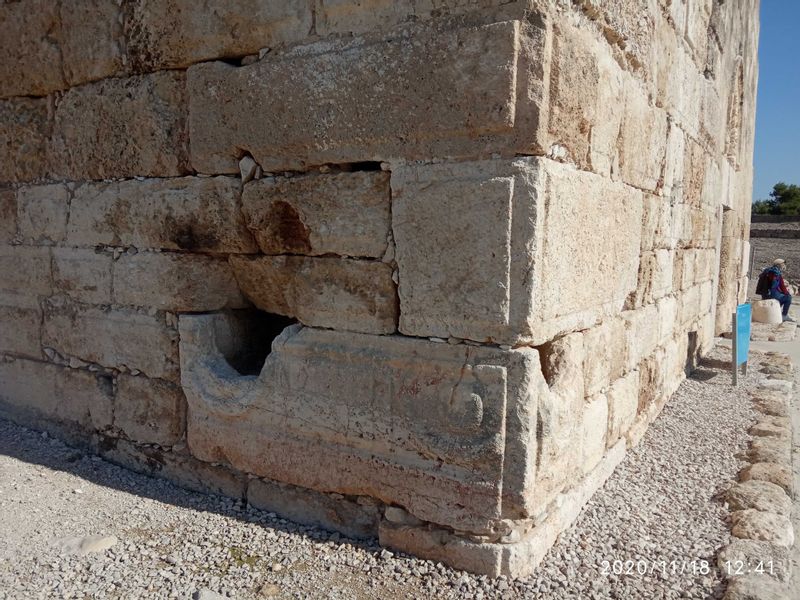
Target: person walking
{"points": [[772, 285]]}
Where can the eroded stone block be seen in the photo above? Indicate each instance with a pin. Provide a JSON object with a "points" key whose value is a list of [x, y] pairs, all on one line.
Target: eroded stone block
{"points": [[176, 282], [24, 130], [42, 213], [346, 214], [8, 215], [149, 411], [287, 117], [20, 328], [91, 40], [623, 401], [187, 213], [25, 271], [83, 274], [354, 295], [122, 128]]}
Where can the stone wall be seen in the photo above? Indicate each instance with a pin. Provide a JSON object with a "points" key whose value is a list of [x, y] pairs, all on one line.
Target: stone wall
{"points": [[420, 270]]}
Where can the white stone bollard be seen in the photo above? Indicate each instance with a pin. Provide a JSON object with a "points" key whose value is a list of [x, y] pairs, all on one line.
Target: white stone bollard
{"points": [[767, 311]]}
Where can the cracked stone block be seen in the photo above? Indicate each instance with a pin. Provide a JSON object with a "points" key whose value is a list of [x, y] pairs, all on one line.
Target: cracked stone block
{"points": [[125, 127], [187, 213], [348, 214], [168, 34], [287, 117], [353, 295]]}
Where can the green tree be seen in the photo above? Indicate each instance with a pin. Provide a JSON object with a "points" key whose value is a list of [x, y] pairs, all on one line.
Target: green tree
{"points": [[784, 199]]}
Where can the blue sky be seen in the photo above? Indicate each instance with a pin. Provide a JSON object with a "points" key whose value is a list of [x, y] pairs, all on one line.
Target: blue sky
{"points": [[777, 154]]}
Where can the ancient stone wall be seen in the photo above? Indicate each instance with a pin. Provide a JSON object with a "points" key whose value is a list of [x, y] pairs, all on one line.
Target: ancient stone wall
{"points": [[421, 270]]}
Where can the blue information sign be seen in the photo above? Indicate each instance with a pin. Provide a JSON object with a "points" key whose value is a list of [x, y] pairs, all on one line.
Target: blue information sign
{"points": [[743, 317]]}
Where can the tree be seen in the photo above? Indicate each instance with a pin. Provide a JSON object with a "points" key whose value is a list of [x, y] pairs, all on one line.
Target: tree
{"points": [[784, 200]]}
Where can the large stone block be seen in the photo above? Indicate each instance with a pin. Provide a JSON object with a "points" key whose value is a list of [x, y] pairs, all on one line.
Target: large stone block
{"points": [[604, 354], [149, 411], [8, 215], [354, 295], [42, 213], [122, 128], [25, 271], [187, 213], [83, 274], [641, 334], [177, 33], [24, 130], [34, 390], [115, 338], [594, 428], [348, 214], [287, 117], [175, 282], [643, 139], [30, 60], [541, 213], [623, 403], [91, 42], [410, 422], [20, 328]]}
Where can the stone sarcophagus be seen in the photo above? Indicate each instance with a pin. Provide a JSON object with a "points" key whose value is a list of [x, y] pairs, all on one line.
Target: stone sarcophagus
{"points": [[420, 271]]}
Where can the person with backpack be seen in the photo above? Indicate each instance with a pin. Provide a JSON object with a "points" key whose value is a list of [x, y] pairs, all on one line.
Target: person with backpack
{"points": [[771, 285]]}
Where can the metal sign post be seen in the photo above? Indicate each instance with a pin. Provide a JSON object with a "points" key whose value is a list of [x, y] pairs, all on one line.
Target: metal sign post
{"points": [[740, 327]]}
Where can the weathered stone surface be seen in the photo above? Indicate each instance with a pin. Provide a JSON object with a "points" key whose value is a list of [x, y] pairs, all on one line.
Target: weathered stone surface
{"points": [[24, 129], [20, 328], [765, 526], [780, 475], [604, 355], [771, 450], [114, 338], [329, 511], [623, 402], [90, 544], [122, 128], [338, 293], [770, 430], [595, 428], [756, 587], [83, 274], [776, 406], [8, 215], [30, 61], [25, 271], [643, 135], [149, 411], [187, 213], [175, 33], [346, 214], [90, 40], [286, 117], [340, 412], [760, 495], [745, 556], [176, 282], [42, 213], [44, 390]]}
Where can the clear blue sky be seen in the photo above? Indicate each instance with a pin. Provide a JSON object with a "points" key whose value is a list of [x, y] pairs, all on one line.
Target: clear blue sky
{"points": [[777, 155]]}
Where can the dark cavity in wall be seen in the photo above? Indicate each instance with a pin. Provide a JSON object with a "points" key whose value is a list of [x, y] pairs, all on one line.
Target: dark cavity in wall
{"points": [[251, 335]]}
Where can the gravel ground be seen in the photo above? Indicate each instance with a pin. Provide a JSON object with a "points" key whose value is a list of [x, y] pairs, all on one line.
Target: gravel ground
{"points": [[656, 512]]}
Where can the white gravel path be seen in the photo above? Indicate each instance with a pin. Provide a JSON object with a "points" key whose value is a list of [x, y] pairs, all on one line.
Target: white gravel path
{"points": [[655, 511]]}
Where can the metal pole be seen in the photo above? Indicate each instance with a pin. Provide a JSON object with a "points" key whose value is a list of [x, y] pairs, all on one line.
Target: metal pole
{"points": [[733, 337]]}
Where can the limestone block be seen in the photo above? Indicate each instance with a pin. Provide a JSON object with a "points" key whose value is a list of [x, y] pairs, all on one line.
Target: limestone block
{"points": [[42, 213], [767, 311], [560, 418], [656, 223], [329, 511], [122, 128], [752, 554], [594, 429], [346, 214], [690, 305], [287, 117], [30, 61], [757, 586], [641, 334], [83, 274], [343, 412], [766, 526], [759, 495], [652, 382], [91, 40], [25, 271], [585, 84], [114, 338], [780, 475], [149, 411], [354, 295], [674, 157], [187, 213], [655, 277], [175, 282], [643, 135], [177, 33], [8, 215], [360, 16], [33, 389], [24, 129], [623, 401], [535, 210], [20, 328], [604, 354], [667, 309]]}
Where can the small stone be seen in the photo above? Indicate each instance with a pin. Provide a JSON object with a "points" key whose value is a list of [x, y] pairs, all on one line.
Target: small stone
{"points": [[268, 590], [758, 525], [395, 514], [206, 594], [247, 168], [81, 546]]}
